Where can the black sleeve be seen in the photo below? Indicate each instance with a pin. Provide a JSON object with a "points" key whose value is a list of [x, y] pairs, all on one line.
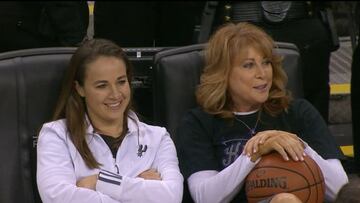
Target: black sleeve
{"points": [[313, 130], [194, 144]]}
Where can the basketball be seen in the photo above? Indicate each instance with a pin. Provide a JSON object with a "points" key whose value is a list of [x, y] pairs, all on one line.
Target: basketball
{"points": [[273, 175]]}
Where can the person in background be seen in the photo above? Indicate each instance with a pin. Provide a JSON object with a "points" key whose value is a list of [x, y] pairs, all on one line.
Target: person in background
{"points": [[42, 24], [96, 149], [355, 93], [245, 112]]}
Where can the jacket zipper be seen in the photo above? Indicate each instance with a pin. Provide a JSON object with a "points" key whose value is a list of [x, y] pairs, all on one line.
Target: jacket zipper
{"points": [[116, 166]]}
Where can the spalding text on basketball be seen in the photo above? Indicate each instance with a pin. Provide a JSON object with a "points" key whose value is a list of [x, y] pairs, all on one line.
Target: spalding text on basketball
{"points": [[276, 182]]}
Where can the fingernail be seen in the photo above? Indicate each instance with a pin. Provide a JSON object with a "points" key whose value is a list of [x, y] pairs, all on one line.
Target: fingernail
{"points": [[254, 150], [287, 158], [304, 154], [296, 158]]}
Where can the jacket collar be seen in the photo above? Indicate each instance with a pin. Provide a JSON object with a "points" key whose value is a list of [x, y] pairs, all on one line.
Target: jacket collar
{"points": [[132, 119]]}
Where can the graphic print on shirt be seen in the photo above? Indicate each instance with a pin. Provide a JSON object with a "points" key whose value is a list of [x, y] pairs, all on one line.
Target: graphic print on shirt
{"points": [[232, 150]]}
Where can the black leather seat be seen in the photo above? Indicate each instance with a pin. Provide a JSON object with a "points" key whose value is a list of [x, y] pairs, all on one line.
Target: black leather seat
{"points": [[30, 82], [177, 73]]}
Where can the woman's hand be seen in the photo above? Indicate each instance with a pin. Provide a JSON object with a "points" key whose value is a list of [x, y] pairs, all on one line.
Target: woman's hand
{"points": [[88, 182], [252, 145], [150, 174], [283, 142]]}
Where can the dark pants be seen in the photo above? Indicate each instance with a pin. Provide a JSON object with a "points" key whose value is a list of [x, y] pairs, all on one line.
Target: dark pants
{"points": [[355, 104]]}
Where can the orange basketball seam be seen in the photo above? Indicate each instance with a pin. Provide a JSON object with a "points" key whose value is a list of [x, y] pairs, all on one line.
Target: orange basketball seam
{"points": [[284, 169], [309, 186], [304, 179], [313, 175], [301, 175], [322, 179], [318, 169]]}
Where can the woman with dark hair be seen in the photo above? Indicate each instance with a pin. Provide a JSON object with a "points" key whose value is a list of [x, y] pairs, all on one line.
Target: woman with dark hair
{"points": [[245, 112], [96, 149]]}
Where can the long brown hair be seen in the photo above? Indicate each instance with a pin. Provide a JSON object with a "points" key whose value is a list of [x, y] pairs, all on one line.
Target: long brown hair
{"points": [[71, 105], [223, 48]]}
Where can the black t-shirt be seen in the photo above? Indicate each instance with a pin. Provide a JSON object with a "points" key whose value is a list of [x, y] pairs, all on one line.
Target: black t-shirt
{"points": [[208, 142], [112, 143]]}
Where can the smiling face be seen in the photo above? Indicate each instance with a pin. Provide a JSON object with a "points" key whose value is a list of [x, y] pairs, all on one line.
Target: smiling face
{"points": [[250, 80], [106, 90]]}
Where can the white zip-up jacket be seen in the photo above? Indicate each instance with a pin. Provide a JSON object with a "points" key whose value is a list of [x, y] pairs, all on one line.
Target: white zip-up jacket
{"points": [[60, 166]]}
